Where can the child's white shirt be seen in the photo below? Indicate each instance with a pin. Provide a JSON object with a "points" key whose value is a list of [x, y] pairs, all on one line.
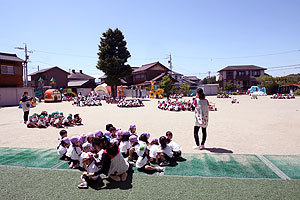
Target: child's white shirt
{"points": [[174, 146], [124, 146], [153, 150], [74, 155], [166, 150], [61, 151], [141, 161], [92, 168]]}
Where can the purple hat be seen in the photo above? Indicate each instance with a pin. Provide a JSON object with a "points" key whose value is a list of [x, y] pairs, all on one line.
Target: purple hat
{"points": [[120, 133], [98, 133], [83, 135], [90, 135], [154, 140], [126, 133], [147, 135], [82, 140], [107, 133], [66, 140], [132, 126], [133, 138], [75, 139], [86, 145]]}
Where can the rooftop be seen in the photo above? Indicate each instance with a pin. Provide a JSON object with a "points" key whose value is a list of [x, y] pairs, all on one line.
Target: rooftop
{"points": [[148, 66], [45, 70], [79, 75], [242, 67], [10, 57]]}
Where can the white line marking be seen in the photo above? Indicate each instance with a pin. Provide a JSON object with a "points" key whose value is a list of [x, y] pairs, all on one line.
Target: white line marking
{"points": [[275, 169]]}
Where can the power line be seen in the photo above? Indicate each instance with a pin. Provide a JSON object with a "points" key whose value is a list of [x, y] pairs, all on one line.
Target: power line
{"points": [[237, 57]]}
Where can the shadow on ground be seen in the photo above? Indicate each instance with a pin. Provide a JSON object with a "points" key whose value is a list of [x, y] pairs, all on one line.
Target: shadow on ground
{"points": [[218, 150]]}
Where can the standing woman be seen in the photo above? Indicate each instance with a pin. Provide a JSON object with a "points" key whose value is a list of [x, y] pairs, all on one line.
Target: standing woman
{"points": [[25, 106], [201, 118]]}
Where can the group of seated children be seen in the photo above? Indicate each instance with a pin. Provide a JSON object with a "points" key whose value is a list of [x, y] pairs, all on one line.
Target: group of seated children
{"points": [[55, 119], [283, 96], [130, 103], [176, 105], [87, 101], [111, 152]]}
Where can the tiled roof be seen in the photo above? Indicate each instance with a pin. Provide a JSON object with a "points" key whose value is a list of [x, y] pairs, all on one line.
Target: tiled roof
{"points": [[46, 69], [76, 83], [80, 76], [148, 66], [242, 67], [10, 57]]}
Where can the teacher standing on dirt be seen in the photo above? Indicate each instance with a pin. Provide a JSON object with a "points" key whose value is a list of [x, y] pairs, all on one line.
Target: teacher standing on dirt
{"points": [[201, 118], [25, 106]]}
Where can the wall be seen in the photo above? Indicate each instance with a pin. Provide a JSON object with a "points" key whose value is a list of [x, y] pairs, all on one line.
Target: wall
{"points": [[12, 96], [210, 89], [8, 80]]}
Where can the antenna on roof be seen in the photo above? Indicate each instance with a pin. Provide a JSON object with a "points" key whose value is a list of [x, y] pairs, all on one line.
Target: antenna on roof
{"points": [[170, 62]]}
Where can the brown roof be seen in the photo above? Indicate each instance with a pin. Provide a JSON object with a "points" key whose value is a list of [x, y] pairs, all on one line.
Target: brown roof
{"points": [[10, 57], [46, 69], [79, 76], [148, 66], [242, 67]]}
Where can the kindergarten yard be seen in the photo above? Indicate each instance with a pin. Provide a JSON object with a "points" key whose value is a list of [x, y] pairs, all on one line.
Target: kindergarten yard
{"points": [[252, 152]]}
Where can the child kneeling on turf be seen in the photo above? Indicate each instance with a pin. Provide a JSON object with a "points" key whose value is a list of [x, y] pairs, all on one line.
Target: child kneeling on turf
{"points": [[62, 149], [74, 152], [176, 149], [90, 166], [143, 161], [164, 152]]}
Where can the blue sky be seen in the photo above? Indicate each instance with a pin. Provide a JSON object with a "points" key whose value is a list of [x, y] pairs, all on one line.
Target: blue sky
{"points": [[201, 35]]}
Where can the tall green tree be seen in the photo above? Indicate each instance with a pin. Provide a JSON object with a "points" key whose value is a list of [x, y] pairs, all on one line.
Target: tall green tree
{"points": [[185, 88], [167, 84], [269, 83], [112, 58]]}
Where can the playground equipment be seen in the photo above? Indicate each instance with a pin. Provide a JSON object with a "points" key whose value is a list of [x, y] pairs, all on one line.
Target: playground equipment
{"points": [[100, 89], [155, 93], [257, 91], [52, 95]]}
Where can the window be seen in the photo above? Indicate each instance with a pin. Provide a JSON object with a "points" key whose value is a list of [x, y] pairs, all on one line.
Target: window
{"points": [[256, 73], [5, 69], [241, 73]]}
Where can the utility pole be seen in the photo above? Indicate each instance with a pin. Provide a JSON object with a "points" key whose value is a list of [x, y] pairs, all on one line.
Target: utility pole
{"points": [[170, 63], [25, 63], [38, 67], [209, 74]]}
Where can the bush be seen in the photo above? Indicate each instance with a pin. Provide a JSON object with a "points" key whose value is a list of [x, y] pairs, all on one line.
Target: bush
{"points": [[222, 92], [297, 92]]}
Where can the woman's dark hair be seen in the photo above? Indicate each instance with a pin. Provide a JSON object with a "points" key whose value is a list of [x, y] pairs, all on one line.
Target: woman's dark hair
{"points": [[200, 93], [108, 126], [103, 140], [163, 142]]}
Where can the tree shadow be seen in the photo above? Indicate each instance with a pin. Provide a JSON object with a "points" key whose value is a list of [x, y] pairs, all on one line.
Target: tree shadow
{"points": [[218, 150]]}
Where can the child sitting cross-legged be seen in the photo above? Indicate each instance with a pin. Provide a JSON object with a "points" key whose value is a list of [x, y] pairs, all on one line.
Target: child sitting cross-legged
{"points": [[90, 166]]}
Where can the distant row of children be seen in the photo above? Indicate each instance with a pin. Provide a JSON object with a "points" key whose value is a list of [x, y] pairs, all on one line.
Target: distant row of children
{"points": [[283, 96], [55, 119], [111, 152], [176, 105], [87, 101], [130, 103]]}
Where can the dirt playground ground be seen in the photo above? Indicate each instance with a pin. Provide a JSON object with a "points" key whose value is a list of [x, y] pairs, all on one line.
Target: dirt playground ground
{"points": [[263, 126]]}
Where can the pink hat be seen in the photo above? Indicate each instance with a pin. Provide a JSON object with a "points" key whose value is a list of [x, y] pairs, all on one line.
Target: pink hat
{"points": [[90, 134], [66, 140], [133, 138], [75, 139], [98, 133], [132, 126]]}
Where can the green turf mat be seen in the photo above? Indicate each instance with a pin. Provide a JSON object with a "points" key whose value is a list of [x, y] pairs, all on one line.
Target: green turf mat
{"points": [[290, 165], [29, 183], [221, 165], [29, 157]]}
